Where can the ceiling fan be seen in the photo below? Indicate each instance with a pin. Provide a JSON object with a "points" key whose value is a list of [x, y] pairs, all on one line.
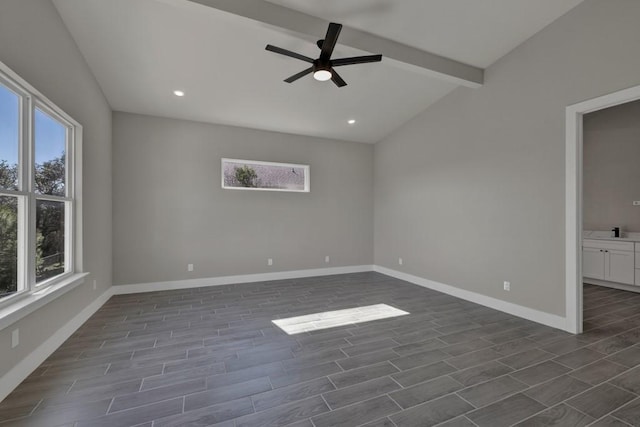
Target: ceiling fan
{"points": [[322, 68]]}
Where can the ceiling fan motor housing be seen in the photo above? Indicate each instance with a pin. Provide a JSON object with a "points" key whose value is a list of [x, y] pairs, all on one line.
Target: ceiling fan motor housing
{"points": [[321, 65]]}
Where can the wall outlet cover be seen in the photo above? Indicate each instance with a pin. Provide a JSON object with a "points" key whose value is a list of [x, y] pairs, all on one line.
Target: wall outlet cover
{"points": [[15, 338]]}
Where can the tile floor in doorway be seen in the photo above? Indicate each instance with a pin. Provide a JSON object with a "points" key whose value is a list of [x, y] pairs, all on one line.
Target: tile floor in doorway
{"points": [[212, 357]]}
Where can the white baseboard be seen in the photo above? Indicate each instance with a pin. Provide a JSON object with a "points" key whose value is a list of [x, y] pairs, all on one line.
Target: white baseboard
{"points": [[229, 280], [537, 316], [26, 366]]}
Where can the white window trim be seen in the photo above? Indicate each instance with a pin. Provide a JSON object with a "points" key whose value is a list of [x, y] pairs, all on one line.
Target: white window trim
{"points": [[25, 301], [224, 160]]}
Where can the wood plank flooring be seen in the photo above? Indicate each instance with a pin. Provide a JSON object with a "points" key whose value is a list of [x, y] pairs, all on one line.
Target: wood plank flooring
{"points": [[212, 357]]}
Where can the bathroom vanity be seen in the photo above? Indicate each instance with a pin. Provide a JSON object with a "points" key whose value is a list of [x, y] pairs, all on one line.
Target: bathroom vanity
{"points": [[611, 261]]}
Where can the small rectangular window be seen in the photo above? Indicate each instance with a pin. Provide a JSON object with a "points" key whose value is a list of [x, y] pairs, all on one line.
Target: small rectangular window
{"points": [[267, 176]]}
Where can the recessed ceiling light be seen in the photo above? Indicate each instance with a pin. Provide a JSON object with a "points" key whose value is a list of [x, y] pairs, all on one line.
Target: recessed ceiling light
{"points": [[178, 93], [351, 121]]}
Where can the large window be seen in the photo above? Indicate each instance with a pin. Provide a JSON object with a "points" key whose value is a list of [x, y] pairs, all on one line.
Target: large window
{"points": [[37, 197]]}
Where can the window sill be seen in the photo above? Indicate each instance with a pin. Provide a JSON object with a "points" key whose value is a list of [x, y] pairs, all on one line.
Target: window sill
{"points": [[27, 304]]}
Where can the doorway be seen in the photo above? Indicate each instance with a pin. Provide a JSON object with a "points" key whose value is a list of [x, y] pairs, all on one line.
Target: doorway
{"points": [[573, 197]]}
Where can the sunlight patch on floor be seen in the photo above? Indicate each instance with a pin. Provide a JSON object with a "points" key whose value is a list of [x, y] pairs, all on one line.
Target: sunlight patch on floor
{"points": [[333, 319]]}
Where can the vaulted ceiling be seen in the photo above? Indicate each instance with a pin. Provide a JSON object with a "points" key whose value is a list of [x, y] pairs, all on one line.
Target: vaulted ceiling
{"points": [[214, 50]]}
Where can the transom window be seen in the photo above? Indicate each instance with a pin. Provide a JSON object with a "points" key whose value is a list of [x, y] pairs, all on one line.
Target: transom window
{"points": [[37, 197]]}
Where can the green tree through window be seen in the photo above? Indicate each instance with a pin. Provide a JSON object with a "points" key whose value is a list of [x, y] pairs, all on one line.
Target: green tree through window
{"points": [[246, 176]]}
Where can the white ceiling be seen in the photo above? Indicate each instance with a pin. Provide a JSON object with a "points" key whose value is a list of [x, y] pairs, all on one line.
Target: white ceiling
{"points": [[142, 50]]}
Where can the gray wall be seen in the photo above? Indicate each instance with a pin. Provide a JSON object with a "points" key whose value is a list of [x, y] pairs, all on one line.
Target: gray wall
{"points": [[170, 210], [612, 168], [35, 43], [471, 192]]}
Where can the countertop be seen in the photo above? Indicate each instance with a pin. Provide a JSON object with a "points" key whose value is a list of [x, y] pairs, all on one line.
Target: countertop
{"points": [[606, 235]]}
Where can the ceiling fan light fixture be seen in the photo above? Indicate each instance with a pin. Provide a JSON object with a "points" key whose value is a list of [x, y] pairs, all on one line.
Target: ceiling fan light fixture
{"points": [[322, 75]]}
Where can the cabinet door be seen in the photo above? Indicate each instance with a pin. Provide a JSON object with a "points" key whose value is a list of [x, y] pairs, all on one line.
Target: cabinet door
{"points": [[593, 263], [620, 266]]}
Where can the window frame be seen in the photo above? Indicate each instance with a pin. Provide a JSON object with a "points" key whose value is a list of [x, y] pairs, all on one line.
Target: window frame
{"points": [[30, 99]]}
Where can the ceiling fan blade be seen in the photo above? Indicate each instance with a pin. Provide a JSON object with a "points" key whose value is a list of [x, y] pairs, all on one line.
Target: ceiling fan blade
{"points": [[286, 52], [356, 60], [335, 77], [299, 75], [330, 41]]}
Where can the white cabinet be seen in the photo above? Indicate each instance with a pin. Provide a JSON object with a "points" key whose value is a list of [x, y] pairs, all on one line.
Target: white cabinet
{"points": [[612, 261], [619, 266], [593, 263]]}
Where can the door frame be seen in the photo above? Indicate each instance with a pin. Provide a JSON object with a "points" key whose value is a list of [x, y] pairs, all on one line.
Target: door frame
{"points": [[573, 197]]}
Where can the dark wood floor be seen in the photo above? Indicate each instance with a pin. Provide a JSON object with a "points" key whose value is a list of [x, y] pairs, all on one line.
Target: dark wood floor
{"points": [[212, 356]]}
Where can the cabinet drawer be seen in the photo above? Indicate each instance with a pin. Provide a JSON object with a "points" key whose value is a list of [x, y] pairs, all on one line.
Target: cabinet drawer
{"points": [[608, 244]]}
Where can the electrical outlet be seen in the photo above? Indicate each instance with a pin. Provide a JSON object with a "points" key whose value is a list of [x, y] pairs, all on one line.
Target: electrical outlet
{"points": [[189, 267], [400, 261], [15, 338], [95, 284], [270, 261], [507, 286], [327, 259], [636, 203]]}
